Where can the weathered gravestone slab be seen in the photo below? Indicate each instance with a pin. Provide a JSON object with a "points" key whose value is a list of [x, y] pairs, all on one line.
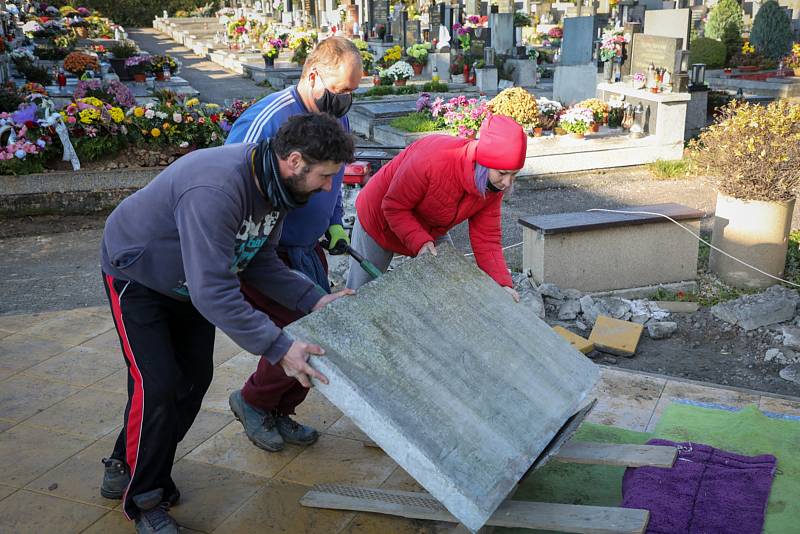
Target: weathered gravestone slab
{"points": [[660, 51], [458, 384], [676, 23], [578, 45]]}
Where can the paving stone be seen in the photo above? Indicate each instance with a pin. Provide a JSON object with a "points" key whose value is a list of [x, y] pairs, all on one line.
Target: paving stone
{"points": [[400, 480], [209, 494], [78, 478], [406, 366], [381, 524], [616, 337], [72, 326], [27, 452], [225, 348], [78, 366], [569, 310], [113, 522], [276, 508], [346, 428], [205, 425], [116, 382], [15, 323], [231, 449], [107, 344], [580, 343], [28, 512], [5, 491], [778, 405], [661, 329], [335, 460], [5, 425], [625, 399], [775, 305], [20, 351], [23, 396], [89, 413]]}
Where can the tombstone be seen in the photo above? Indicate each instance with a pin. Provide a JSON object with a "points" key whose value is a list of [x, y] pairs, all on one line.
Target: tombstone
{"points": [[421, 378], [630, 29], [505, 6], [575, 76], [661, 52], [502, 26], [651, 5], [413, 33], [379, 13], [436, 15], [675, 23], [472, 7]]}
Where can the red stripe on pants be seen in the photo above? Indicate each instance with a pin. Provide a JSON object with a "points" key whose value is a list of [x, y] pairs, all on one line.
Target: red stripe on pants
{"points": [[133, 428]]}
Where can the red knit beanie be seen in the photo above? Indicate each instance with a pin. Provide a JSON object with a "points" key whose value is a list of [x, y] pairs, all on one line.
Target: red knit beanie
{"points": [[501, 144]]}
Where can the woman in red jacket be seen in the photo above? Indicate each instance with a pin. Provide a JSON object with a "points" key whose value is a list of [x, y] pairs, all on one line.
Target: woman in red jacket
{"points": [[436, 183]]}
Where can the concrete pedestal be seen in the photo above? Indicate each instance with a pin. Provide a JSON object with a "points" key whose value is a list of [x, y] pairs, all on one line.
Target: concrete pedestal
{"points": [[574, 83], [696, 114], [523, 72], [486, 79]]}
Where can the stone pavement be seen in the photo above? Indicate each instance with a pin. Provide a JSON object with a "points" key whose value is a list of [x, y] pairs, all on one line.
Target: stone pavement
{"points": [[214, 83], [62, 392]]}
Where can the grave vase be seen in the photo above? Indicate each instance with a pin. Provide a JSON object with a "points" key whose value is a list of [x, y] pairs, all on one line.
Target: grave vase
{"points": [[417, 68], [458, 78], [400, 83], [608, 70], [757, 233]]}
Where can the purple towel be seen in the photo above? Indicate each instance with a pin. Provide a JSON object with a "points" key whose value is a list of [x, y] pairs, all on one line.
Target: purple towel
{"points": [[707, 491]]}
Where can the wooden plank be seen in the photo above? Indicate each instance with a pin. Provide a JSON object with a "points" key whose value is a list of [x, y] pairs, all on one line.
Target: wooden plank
{"points": [[579, 221], [615, 454], [514, 514]]}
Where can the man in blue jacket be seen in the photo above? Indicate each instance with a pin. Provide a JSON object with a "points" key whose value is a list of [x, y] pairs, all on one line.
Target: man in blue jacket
{"points": [[330, 75], [173, 256]]}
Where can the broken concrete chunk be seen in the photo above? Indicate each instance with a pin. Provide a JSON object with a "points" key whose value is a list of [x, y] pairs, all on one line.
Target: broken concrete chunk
{"points": [[677, 306], [589, 310], [569, 310], [775, 355], [614, 306], [534, 301], [791, 337], [791, 373], [551, 290], [616, 337], [754, 311], [661, 329]]}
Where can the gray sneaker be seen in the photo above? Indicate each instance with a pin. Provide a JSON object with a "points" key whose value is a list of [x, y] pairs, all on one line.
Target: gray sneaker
{"points": [[115, 479], [153, 517], [259, 426], [294, 432]]}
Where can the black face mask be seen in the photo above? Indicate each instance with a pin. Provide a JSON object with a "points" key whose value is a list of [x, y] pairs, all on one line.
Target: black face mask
{"points": [[332, 103], [491, 187]]}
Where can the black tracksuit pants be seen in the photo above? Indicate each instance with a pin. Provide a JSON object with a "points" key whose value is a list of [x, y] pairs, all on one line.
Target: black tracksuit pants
{"points": [[168, 348]]}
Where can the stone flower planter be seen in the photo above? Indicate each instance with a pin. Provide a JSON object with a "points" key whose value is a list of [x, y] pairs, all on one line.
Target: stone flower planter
{"points": [[757, 233]]}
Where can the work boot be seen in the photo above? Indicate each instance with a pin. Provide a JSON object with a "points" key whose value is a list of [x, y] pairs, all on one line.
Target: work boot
{"points": [[294, 432], [153, 517], [259, 426], [115, 479]]}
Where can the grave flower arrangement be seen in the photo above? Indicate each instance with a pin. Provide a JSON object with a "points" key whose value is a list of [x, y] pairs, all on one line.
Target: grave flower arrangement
{"points": [[517, 103], [461, 115], [159, 63], [418, 53], [367, 57], [272, 47], [112, 92], [556, 32], [184, 124], [613, 44], [96, 128], [23, 143], [598, 108], [77, 63], [237, 28], [577, 120], [549, 111], [748, 57], [391, 56], [302, 44], [141, 64], [462, 34], [792, 61], [399, 71]]}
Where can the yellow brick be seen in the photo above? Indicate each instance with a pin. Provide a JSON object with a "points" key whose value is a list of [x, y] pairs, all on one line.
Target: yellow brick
{"points": [[615, 336], [580, 343]]}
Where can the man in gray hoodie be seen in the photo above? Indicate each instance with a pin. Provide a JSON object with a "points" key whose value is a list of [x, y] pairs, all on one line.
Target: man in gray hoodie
{"points": [[173, 254]]}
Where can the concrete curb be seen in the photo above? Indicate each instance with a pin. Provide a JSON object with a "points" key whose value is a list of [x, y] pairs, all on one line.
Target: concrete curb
{"points": [[70, 192]]}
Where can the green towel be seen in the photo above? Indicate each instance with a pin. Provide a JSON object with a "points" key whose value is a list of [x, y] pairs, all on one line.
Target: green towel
{"points": [[747, 431]]}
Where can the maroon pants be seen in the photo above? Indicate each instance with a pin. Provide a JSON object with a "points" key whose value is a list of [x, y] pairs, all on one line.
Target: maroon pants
{"points": [[269, 389]]}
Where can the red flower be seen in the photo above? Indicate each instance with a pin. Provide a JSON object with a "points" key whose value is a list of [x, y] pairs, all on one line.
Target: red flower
{"points": [[31, 125], [214, 118]]}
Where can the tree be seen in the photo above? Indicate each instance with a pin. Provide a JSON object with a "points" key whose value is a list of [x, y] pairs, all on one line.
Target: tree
{"points": [[725, 24], [772, 31]]}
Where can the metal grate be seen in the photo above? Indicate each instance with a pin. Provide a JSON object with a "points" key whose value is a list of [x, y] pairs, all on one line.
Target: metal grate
{"points": [[418, 501]]}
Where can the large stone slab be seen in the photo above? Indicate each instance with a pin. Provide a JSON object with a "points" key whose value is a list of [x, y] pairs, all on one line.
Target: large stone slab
{"points": [[458, 384], [775, 305]]}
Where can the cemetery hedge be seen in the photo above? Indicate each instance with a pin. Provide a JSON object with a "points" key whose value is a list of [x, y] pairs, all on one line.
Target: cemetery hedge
{"points": [[725, 24], [137, 13], [709, 51]]}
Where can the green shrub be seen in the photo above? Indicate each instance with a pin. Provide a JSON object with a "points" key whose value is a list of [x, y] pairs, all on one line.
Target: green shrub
{"points": [[709, 51], [725, 24], [415, 122], [434, 87], [380, 90], [34, 73], [139, 13], [772, 31], [406, 90]]}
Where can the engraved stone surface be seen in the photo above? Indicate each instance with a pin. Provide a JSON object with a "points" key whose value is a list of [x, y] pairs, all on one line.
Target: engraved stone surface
{"points": [[458, 384]]}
